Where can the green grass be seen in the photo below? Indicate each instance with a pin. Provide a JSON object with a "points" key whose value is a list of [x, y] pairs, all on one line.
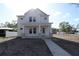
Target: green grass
{"points": [[3, 39]]}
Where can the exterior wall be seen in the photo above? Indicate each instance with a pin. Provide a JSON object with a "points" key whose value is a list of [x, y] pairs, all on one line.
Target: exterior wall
{"points": [[47, 32], [19, 24], [39, 17]]}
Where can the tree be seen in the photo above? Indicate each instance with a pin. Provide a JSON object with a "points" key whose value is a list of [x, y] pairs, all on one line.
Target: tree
{"points": [[77, 26], [1, 25], [65, 27], [13, 24]]}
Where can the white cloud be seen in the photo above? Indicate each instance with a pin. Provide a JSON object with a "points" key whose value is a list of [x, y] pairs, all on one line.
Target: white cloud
{"points": [[21, 6], [59, 17], [76, 19], [56, 13], [44, 1], [66, 15]]}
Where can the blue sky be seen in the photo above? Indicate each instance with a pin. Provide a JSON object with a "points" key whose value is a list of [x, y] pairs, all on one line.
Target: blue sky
{"points": [[58, 11], [66, 12], [6, 14]]}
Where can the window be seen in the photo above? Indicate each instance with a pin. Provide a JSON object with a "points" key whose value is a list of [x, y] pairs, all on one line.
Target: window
{"points": [[21, 28], [34, 30], [30, 19], [30, 31], [34, 20], [45, 18], [43, 30], [21, 18]]}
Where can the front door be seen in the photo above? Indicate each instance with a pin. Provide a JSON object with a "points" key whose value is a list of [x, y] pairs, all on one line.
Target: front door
{"points": [[32, 31], [43, 31]]}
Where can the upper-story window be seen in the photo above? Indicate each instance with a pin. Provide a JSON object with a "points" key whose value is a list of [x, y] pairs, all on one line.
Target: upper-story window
{"points": [[30, 19], [21, 18], [34, 19]]}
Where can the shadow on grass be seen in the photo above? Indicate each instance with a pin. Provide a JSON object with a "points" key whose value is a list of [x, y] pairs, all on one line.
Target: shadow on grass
{"points": [[69, 46], [24, 47]]}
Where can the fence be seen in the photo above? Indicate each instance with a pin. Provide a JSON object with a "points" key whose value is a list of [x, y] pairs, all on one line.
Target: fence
{"points": [[11, 34]]}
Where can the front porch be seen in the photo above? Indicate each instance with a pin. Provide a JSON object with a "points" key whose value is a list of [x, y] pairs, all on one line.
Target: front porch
{"points": [[37, 31]]}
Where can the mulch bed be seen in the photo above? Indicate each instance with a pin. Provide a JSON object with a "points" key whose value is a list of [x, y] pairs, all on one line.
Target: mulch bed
{"points": [[24, 47], [69, 46]]}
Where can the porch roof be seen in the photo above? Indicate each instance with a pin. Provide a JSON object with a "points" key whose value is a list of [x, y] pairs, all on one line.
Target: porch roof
{"points": [[6, 28], [37, 24]]}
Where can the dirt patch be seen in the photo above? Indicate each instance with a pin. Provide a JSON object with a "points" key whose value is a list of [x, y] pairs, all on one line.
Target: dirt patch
{"points": [[24, 47], [70, 46]]}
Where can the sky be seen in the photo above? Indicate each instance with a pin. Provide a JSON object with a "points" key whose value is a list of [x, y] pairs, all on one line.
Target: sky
{"points": [[58, 12]]}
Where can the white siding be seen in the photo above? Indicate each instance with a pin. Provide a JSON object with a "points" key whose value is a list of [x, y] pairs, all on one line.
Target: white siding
{"points": [[40, 18]]}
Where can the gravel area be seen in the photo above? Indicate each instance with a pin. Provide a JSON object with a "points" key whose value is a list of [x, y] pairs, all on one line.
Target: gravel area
{"points": [[24, 47], [70, 46]]}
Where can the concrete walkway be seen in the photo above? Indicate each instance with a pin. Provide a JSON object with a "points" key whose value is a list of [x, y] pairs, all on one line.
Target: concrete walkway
{"points": [[55, 49]]}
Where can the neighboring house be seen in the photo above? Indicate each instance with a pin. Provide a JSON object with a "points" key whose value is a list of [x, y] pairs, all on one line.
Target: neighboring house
{"points": [[77, 31], [34, 23], [3, 31]]}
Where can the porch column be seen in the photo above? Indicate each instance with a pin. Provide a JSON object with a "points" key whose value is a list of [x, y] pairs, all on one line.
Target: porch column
{"points": [[50, 31], [24, 30], [39, 29]]}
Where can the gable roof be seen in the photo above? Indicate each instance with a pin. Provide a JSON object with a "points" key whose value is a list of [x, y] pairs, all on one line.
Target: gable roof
{"points": [[19, 15], [28, 11], [42, 12], [36, 9]]}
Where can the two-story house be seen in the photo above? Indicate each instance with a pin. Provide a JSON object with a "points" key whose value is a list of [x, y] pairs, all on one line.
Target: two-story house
{"points": [[34, 23]]}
